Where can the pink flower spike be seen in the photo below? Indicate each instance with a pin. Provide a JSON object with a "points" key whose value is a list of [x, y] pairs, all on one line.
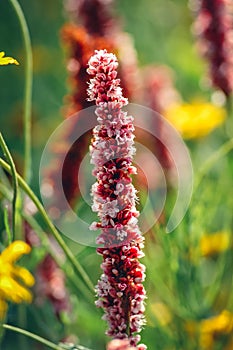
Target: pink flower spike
{"points": [[120, 291], [214, 28]]}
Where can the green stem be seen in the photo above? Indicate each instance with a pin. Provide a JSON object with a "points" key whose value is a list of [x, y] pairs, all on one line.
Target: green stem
{"points": [[216, 287], [229, 104], [7, 226], [28, 88], [33, 336], [71, 276], [222, 151], [60, 346], [14, 179], [77, 267], [22, 319], [229, 121]]}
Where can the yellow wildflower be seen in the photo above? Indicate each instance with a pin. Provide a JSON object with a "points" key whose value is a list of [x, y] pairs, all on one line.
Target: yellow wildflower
{"points": [[14, 280], [195, 120], [162, 313], [214, 243], [215, 326], [7, 60]]}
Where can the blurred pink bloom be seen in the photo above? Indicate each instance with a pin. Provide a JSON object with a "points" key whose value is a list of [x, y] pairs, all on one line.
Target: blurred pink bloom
{"points": [[50, 282], [120, 290], [214, 28], [123, 344], [128, 69], [159, 88], [159, 94], [95, 15], [50, 279], [94, 26]]}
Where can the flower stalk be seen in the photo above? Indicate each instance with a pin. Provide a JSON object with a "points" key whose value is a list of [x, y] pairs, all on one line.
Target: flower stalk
{"points": [[15, 184], [77, 267], [47, 343], [120, 290], [36, 337], [28, 89], [213, 27]]}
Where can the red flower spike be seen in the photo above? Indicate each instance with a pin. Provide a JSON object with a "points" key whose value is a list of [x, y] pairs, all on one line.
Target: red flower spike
{"points": [[214, 27], [120, 290]]}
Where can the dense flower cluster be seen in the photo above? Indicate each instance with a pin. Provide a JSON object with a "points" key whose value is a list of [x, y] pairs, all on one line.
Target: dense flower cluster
{"points": [[214, 26], [120, 290]]}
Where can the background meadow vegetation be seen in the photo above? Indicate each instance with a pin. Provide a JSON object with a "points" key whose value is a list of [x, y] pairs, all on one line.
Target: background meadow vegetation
{"points": [[189, 271]]}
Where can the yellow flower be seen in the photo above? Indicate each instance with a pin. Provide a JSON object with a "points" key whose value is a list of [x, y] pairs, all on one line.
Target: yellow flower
{"points": [[211, 330], [162, 313], [222, 323], [212, 327], [195, 120], [7, 60], [214, 243], [14, 280]]}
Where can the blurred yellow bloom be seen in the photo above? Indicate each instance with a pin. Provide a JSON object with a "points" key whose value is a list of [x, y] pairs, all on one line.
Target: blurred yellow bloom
{"points": [[14, 280], [215, 243], [7, 60], [195, 120], [221, 324], [162, 313]]}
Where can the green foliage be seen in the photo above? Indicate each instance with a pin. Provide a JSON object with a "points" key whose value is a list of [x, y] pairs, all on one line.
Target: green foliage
{"points": [[190, 286]]}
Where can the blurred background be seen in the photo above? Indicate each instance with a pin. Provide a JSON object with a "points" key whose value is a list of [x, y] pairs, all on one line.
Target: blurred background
{"points": [[189, 271]]}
